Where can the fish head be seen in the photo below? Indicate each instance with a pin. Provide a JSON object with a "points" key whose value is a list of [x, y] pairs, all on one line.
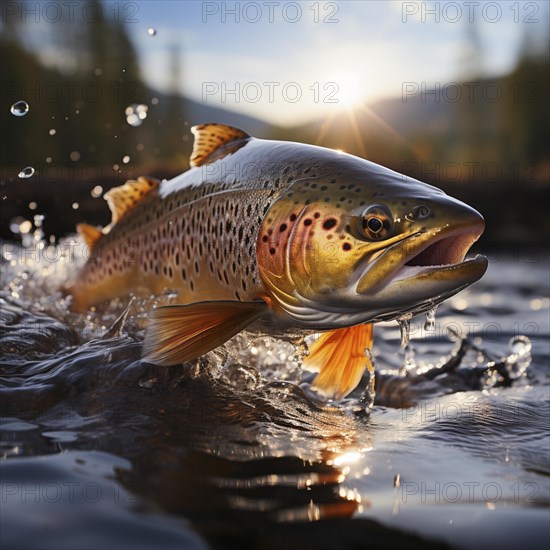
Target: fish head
{"points": [[365, 246]]}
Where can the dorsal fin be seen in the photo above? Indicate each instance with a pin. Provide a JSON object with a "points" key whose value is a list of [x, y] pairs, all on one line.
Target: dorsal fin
{"points": [[90, 234], [123, 198], [209, 138]]}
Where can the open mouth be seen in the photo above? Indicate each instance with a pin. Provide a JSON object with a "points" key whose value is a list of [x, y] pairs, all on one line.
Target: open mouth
{"points": [[433, 260], [439, 254]]}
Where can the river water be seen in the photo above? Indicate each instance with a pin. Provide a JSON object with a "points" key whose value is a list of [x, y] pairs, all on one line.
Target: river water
{"points": [[101, 450]]}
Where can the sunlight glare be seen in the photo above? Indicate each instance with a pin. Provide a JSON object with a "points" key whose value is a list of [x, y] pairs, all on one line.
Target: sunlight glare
{"points": [[351, 92]]}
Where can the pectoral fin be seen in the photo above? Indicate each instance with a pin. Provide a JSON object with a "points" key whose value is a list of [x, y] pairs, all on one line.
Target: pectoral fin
{"points": [[340, 358], [180, 333]]}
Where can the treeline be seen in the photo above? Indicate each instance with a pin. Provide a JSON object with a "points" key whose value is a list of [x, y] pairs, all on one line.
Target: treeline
{"points": [[80, 115]]}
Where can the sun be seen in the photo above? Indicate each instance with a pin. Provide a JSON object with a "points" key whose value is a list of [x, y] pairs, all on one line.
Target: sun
{"points": [[350, 91]]}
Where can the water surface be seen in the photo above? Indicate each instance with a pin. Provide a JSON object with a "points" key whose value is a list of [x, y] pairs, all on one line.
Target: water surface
{"points": [[102, 450]]}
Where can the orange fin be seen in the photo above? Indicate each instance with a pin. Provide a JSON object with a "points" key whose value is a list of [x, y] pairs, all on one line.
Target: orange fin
{"points": [[180, 333], [209, 138], [122, 199], [340, 358], [90, 234]]}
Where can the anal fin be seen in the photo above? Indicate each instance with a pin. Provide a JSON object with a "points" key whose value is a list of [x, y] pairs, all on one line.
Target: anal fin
{"points": [[340, 357], [179, 333]]}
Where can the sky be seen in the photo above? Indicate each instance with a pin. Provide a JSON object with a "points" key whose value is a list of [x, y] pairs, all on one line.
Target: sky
{"points": [[291, 62]]}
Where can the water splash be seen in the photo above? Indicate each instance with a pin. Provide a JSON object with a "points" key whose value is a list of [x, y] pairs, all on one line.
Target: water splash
{"points": [[405, 328], [430, 319], [27, 172], [520, 358], [136, 113], [19, 108]]}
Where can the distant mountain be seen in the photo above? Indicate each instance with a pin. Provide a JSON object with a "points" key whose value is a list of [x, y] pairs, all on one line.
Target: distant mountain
{"points": [[197, 112]]}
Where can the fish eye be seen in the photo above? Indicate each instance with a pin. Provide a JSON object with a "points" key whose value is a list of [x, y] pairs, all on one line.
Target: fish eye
{"points": [[376, 222]]}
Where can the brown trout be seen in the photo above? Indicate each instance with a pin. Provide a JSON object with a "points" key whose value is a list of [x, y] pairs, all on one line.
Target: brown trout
{"points": [[287, 236]]}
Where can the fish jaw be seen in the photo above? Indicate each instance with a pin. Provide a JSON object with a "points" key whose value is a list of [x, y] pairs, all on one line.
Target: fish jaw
{"points": [[424, 268]]}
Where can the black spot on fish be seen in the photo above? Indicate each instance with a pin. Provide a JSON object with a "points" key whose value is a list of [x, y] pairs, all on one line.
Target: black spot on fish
{"points": [[307, 221], [329, 224], [316, 215], [293, 217], [272, 251], [283, 227], [346, 246]]}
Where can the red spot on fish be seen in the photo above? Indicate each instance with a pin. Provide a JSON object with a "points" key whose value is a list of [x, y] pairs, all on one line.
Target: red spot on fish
{"points": [[316, 215]]}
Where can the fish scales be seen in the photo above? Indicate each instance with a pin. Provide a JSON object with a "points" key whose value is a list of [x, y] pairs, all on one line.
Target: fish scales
{"points": [[198, 241]]}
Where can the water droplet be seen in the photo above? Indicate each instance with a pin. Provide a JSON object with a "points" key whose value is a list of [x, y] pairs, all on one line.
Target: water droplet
{"points": [[52, 132], [154, 101], [19, 108], [33, 205], [430, 319], [151, 31], [520, 345], [74, 156], [147, 383], [26, 172], [75, 205], [98, 71], [48, 160], [96, 191], [136, 114], [405, 328], [20, 225], [126, 159]]}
